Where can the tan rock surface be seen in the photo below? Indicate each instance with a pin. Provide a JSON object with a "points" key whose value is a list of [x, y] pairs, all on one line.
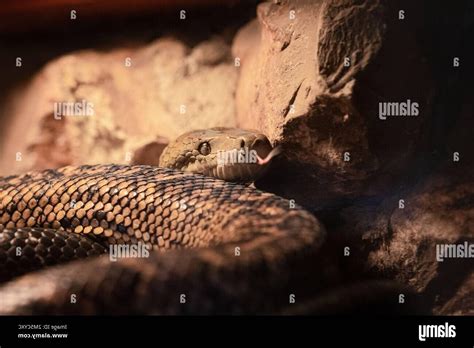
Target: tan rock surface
{"points": [[169, 88], [294, 86]]}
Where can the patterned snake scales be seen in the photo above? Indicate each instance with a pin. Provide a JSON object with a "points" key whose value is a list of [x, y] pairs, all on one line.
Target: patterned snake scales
{"points": [[246, 251]]}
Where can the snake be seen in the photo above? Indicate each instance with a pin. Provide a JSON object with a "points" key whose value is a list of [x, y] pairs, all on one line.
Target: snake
{"points": [[191, 236]]}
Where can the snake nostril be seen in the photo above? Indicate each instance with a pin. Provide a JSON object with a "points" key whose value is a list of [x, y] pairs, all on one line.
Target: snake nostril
{"points": [[242, 143]]}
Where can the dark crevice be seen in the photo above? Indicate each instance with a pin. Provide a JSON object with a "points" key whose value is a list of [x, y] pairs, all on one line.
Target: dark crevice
{"points": [[293, 98]]}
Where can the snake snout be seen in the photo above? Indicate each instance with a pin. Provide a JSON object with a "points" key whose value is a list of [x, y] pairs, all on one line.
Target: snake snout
{"points": [[242, 162]]}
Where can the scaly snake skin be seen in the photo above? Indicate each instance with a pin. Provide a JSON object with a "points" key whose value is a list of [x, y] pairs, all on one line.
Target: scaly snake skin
{"points": [[246, 250]]}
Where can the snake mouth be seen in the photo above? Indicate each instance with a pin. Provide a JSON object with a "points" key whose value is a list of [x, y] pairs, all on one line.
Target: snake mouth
{"points": [[245, 165], [272, 154], [239, 172]]}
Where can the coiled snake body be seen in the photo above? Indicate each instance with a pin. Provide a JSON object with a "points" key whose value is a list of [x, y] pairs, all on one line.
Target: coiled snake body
{"points": [[246, 250]]}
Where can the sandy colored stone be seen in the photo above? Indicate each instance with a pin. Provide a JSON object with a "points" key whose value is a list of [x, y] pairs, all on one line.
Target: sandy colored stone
{"points": [[169, 89]]}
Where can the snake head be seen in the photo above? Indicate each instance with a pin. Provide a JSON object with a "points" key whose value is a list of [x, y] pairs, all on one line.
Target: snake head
{"points": [[229, 154]]}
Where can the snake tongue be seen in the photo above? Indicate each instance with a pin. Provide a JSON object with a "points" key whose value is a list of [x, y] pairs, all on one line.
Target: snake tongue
{"points": [[275, 152]]}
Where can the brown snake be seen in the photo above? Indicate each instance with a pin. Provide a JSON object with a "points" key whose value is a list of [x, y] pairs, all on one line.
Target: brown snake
{"points": [[247, 250], [109, 239]]}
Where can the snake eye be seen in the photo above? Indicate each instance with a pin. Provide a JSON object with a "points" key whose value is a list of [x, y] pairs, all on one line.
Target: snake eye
{"points": [[205, 148]]}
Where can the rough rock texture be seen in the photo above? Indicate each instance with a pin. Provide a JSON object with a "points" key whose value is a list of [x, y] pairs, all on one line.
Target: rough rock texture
{"points": [[169, 88], [399, 240], [437, 208], [296, 89]]}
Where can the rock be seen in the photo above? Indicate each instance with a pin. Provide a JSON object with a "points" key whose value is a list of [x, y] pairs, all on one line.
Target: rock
{"points": [[295, 88], [404, 238], [135, 95], [462, 301], [149, 154]]}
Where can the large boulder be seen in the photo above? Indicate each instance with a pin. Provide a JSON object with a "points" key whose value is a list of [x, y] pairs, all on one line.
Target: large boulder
{"points": [[312, 76]]}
